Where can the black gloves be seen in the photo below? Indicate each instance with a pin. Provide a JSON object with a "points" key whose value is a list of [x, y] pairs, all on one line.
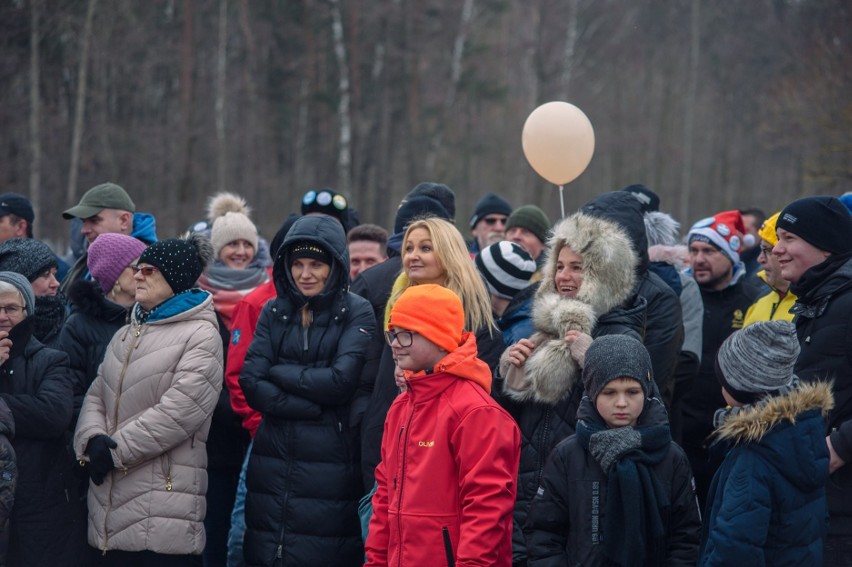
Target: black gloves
{"points": [[100, 458]]}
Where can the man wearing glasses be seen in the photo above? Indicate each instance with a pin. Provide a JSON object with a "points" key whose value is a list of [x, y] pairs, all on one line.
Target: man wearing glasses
{"points": [[776, 304], [488, 223]]}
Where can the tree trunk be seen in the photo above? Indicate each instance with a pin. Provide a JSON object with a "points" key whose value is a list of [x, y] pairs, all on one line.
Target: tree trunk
{"points": [[569, 58], [35, 110], [80, 106], [344, 155], [221, 71], [689, 119]]}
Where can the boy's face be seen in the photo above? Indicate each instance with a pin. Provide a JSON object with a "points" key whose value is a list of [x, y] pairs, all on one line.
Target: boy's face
{"points": [[620, 402], [418, 354]]}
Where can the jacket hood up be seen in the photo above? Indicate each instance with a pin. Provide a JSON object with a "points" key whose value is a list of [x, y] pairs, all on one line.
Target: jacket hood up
{"points": [[625, 210], [328, 234], [768, 427]]}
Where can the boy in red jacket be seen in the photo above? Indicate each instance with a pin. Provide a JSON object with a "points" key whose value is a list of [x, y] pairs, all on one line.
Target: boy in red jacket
{"points": [[446, 482]]}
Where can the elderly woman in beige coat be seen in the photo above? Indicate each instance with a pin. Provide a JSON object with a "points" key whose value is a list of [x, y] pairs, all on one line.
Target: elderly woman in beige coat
{"points": [[144, 422]]}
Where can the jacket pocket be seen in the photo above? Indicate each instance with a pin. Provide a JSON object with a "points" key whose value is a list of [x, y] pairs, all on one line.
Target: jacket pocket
{"points": [[166, 465], [448, 547]]}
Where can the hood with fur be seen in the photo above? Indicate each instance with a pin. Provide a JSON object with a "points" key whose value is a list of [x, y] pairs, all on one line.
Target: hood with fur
{"points": [[609, 275]]}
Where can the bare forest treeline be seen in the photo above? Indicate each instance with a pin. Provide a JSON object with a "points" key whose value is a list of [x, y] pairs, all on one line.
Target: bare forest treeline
{"points": [[714, 105]]}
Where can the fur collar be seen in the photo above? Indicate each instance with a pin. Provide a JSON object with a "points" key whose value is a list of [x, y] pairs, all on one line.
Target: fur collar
{"points": [[752, 425]]}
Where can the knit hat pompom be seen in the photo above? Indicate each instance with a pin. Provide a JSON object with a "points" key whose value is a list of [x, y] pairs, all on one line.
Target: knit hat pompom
{"points": [[308, 249], [433, 311], [506, 268], [611, 357], [230, 227], [23, 286], [531, 218], [180, 260], [223, 203], [26, 256], [109, 255], [758, 360]]}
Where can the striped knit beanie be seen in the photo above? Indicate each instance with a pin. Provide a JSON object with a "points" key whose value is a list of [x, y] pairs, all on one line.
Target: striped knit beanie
{"points": [[506, 268]]}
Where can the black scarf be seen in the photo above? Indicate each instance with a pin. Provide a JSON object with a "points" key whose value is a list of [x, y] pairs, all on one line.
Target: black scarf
{"points": [[636, 503], [49, 316], [816, 275]]}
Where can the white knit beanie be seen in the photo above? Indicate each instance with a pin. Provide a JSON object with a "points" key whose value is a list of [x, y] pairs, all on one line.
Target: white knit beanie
{"points": [[230, 227]]}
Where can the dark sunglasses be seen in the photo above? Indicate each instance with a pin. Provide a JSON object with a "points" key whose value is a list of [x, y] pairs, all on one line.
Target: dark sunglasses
{"points": [[491, 221], [146, 270], [404, 338]]}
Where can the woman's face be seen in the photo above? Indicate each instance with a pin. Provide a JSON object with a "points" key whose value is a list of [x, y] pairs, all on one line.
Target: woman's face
{"points": [[419, 260], [152, 289], [569, 272], [310, 275], [11, 301], [237, 254], [126, 282], [46, 283]]}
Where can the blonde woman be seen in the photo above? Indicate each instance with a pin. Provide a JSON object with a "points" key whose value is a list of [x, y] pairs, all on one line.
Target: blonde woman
{"points": [[433, 251]]}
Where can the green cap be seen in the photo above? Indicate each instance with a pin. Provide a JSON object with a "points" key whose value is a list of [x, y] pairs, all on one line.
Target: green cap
{"points": [[98, 198]]}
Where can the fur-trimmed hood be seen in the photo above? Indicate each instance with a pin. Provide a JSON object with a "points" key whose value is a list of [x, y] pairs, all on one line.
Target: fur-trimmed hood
{"points": [[609, 276], [752, 425]]}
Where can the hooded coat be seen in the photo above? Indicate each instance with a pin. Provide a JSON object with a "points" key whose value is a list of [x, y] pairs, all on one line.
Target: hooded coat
{"points": [[303, 476], [154, 396], [446, 481], [767, 503], [545, 407], [664, 325]]}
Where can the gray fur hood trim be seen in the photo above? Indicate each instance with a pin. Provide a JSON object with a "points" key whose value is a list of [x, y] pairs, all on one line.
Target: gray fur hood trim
{"points": [[608, 280]]}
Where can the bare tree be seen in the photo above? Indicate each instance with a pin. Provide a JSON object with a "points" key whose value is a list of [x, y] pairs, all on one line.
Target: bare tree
{"points": [[344, 155], [689, 118], [80, 106], [221, 72], [35, 109]]}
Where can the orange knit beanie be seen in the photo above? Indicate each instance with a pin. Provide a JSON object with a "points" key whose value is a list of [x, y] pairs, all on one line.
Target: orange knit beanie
{"points": [[432, 311]]}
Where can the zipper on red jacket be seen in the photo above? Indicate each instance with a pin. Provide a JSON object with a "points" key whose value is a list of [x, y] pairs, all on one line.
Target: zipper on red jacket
{"points": [[402, 478]]}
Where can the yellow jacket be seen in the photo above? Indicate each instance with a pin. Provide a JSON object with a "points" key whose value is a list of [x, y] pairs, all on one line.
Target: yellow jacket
{"points": [[770, 307]]}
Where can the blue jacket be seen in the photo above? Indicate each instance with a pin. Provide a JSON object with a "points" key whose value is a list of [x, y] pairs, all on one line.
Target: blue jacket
{"points": [[767, 502]]}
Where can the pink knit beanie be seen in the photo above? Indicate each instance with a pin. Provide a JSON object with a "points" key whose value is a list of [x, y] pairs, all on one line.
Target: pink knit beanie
{"points": [[109, 255]]}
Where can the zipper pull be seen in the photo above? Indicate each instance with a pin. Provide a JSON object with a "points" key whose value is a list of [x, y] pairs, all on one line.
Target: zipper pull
{"points": [[169, 483], [279, 552]]}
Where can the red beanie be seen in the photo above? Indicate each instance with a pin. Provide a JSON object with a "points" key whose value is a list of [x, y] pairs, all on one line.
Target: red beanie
{"points": [[432, 311]]}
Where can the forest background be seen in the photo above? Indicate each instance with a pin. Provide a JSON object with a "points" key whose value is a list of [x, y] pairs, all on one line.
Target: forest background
{"points": [[713, 104]]}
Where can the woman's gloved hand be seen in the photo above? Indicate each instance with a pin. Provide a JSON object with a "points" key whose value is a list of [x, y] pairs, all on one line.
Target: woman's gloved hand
{"points": [[100, 457]]}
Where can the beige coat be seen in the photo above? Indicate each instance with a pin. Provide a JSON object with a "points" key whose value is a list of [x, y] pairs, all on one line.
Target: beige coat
{"points": [[154, 395]]}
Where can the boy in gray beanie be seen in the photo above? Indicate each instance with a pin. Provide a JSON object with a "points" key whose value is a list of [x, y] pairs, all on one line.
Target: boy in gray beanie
{"points": [[767, 503]]}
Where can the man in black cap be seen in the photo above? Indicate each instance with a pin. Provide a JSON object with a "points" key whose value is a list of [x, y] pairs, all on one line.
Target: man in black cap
{"points": [[488, 223], [814, 251], [16, 217], [107, 208]]}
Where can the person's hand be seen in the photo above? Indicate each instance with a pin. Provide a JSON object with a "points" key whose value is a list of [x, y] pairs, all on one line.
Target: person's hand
{"points": [[580, 343], [5, 347], [399, 378], [100, 457], [520, 352], [834, 461]]}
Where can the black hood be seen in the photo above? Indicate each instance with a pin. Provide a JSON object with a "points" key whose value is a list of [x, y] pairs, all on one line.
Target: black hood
{"points": [[624, 209], [327, 233]]}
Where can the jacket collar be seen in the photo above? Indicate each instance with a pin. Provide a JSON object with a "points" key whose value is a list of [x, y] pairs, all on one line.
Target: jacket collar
{"points": [[461, 364]]}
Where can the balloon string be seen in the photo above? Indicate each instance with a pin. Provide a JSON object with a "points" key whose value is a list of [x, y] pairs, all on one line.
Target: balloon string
{"points": [[561, 201]]}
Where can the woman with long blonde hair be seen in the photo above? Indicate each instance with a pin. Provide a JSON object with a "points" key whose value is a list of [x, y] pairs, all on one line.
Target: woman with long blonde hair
{"points": [[433, 251]]}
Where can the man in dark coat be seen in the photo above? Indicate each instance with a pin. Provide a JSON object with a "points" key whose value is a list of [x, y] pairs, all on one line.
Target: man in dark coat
{"points": [[36, 385], [815, 253]]}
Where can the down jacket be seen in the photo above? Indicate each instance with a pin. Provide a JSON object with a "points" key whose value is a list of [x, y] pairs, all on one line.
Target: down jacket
{"points": [[446, 482], [767, 503], [545, 407], [154, 396], [303, 478]]}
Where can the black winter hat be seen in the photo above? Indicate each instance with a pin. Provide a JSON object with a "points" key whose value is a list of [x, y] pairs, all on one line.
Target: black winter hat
{"points": [[307, 249], [823, 221], [437, 191], [18, 205], [415, 208], [490, 204], [26, 256], [326, 201], [180, 260], [650, 200], [616, 356]]}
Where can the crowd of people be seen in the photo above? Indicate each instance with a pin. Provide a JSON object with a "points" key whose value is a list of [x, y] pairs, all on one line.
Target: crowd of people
{"points": [[509, 391]]}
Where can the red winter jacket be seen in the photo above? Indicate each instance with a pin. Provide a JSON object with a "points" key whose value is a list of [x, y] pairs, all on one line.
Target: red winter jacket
{"points": [[243, 323], [446, 482]]}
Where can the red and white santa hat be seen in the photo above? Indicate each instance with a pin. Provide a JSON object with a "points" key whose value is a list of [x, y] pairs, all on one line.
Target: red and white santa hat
{"points": [[726, 231]]}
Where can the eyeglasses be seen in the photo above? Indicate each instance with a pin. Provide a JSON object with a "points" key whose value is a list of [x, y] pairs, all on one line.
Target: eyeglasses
{"points": [[146, 270], [766, 250], [11, 310], [404, 338], [491, 221]]}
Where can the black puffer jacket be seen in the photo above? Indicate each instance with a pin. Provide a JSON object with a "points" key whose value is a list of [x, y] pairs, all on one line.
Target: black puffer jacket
{"points": [[303, 477], [546, 411], [86, 334], [664, 327], [566, 519], [824, 327], [36, 385]]}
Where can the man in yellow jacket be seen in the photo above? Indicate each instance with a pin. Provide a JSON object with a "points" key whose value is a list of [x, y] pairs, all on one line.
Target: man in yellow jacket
{"points": [[776, 303]]}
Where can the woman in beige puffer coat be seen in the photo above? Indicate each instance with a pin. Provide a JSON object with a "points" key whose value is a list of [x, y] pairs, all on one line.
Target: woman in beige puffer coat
{"points": [[144, 422]]}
